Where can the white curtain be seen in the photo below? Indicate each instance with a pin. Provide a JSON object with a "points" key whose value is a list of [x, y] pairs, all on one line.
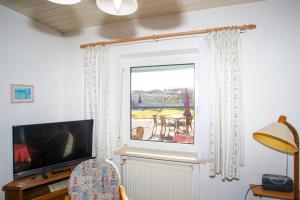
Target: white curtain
{"points": [[225, 91], [96, 61]]}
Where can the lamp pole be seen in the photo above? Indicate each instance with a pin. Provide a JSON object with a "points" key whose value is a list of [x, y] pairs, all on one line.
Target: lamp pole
{"points": [[282, 119]]}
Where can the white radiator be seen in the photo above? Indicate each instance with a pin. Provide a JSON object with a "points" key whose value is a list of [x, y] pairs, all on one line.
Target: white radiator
{"points": [[157, 180]]}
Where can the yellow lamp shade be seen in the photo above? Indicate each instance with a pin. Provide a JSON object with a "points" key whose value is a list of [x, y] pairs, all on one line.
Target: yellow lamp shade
{"points": [[277, 136]]}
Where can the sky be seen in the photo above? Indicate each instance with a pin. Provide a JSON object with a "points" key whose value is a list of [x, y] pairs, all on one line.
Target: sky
{"points": [[162, 79]]}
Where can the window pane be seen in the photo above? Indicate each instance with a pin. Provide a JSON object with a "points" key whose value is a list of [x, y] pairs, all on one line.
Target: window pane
{"points": [[162, 103]]}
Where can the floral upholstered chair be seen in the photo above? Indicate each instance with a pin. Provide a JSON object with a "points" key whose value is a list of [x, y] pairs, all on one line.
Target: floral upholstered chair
{"points": [[95, 179]]}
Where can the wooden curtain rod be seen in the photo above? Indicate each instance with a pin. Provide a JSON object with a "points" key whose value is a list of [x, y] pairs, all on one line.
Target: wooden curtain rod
{"points": [[157, 37]]}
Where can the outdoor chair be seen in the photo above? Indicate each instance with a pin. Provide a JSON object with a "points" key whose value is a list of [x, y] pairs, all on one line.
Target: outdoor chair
{"points": [[138, 133], [185, 126], [163, 126], [172, 124], [162, 123], [154, 124]]}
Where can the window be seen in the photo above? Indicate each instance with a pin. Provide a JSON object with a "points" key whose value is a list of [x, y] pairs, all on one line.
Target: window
{"points": [[166, 66], [162, 103]]}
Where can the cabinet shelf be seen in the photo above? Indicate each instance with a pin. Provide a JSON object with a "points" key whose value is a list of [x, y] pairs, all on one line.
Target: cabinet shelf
{"points": [[37, 188], [260, 192]]}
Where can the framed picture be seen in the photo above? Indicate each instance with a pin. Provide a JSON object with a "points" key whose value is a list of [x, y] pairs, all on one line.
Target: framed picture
{"points": [[20, 93]]}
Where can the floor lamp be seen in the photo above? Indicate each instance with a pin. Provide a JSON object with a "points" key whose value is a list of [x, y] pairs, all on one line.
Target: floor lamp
{"points": [[282, 136]]}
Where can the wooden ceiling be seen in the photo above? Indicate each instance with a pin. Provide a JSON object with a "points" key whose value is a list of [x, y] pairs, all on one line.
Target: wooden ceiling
{"points": [[86, 14]]}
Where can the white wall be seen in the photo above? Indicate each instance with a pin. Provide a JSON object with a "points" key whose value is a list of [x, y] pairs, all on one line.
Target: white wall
{"points": [[271, 69], [30, 53]]}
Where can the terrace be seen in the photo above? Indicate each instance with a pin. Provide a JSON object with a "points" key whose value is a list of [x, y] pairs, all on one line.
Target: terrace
{"points": [[162, 108], [163, 125]]}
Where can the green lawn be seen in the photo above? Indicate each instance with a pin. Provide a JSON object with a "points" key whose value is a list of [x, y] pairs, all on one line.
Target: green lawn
{"points": [[148, 113]]}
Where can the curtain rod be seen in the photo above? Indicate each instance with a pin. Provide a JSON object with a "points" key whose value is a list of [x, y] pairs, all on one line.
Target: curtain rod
{"points": [[168, 35]]}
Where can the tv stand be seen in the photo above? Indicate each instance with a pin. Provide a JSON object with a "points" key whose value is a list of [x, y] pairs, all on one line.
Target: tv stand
{"points": [[44, 175], [38, 188], [61, 170]]}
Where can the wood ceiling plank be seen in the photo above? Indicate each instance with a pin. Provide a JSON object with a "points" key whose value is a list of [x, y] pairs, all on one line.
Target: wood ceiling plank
{"points": [[71, 17], [71, 14], [89, 23], [88, 15], [62, 10], [170, 8], [157, 4], [200, 5], [21, 4], [40, 8], [85, 14], [158, 11], [93, 21], [24, 6], [6, 1]]}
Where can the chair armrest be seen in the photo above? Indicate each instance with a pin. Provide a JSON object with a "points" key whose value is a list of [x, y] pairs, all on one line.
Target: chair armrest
{"points": [[67, 197], [122, 193]]}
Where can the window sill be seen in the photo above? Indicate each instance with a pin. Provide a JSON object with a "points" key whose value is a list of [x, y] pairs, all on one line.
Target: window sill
{"points": [[175, 156]]}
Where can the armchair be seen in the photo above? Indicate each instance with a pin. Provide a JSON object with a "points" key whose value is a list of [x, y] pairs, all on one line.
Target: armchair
{"points": [[95, 179]]}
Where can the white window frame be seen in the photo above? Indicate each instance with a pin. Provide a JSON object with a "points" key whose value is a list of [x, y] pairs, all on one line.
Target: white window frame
{"points": [[179, 51], [153, 61]]}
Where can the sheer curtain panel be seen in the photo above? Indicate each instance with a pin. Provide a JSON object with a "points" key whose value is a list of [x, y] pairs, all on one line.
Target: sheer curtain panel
{"points": [[96, 60], [225, 91]]}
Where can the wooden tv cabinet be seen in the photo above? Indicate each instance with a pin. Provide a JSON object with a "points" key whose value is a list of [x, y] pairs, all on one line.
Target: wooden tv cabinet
{"points": [[37, 188]]}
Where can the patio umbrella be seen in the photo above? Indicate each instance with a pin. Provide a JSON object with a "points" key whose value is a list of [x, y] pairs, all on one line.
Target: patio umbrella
{"points": [[186, 101]]}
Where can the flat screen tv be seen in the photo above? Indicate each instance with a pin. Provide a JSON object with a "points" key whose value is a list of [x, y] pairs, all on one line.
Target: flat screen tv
{"points": [[38, 148]]}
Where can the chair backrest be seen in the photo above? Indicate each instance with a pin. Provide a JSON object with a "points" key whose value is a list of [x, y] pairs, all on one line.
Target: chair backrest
{"points": [[155, 119], [140, 131], [94, 179], [163, 120], [189, 120], [138, 134]]}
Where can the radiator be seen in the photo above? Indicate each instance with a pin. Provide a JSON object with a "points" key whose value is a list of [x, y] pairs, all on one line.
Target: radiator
{"points": [[157, 180]]}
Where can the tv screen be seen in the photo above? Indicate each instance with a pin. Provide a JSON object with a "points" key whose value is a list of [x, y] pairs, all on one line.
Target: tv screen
{"points": [[40, 147]]}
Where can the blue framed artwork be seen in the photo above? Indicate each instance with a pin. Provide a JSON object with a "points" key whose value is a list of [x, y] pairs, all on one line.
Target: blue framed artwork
{"points": [[21, 93]]}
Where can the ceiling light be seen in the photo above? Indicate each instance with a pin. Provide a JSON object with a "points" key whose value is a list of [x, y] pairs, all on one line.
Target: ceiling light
{"points": [[112, 7], [117, 7], [65, 2], [117, 4]]}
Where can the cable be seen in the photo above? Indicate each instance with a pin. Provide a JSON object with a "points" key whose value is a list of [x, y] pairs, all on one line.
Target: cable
{"points": [[249, 190], [287, 164], [247, 193]]}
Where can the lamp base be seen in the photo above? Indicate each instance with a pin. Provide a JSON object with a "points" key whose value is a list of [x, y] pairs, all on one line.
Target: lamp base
{"points": [[277, 183]]}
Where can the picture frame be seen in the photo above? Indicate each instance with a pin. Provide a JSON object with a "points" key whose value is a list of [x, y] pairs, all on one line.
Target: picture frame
{"points": [[21, 93]]}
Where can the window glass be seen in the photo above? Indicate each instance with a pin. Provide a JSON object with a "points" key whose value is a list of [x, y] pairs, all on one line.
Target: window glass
{"points": [[163, 103]]}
